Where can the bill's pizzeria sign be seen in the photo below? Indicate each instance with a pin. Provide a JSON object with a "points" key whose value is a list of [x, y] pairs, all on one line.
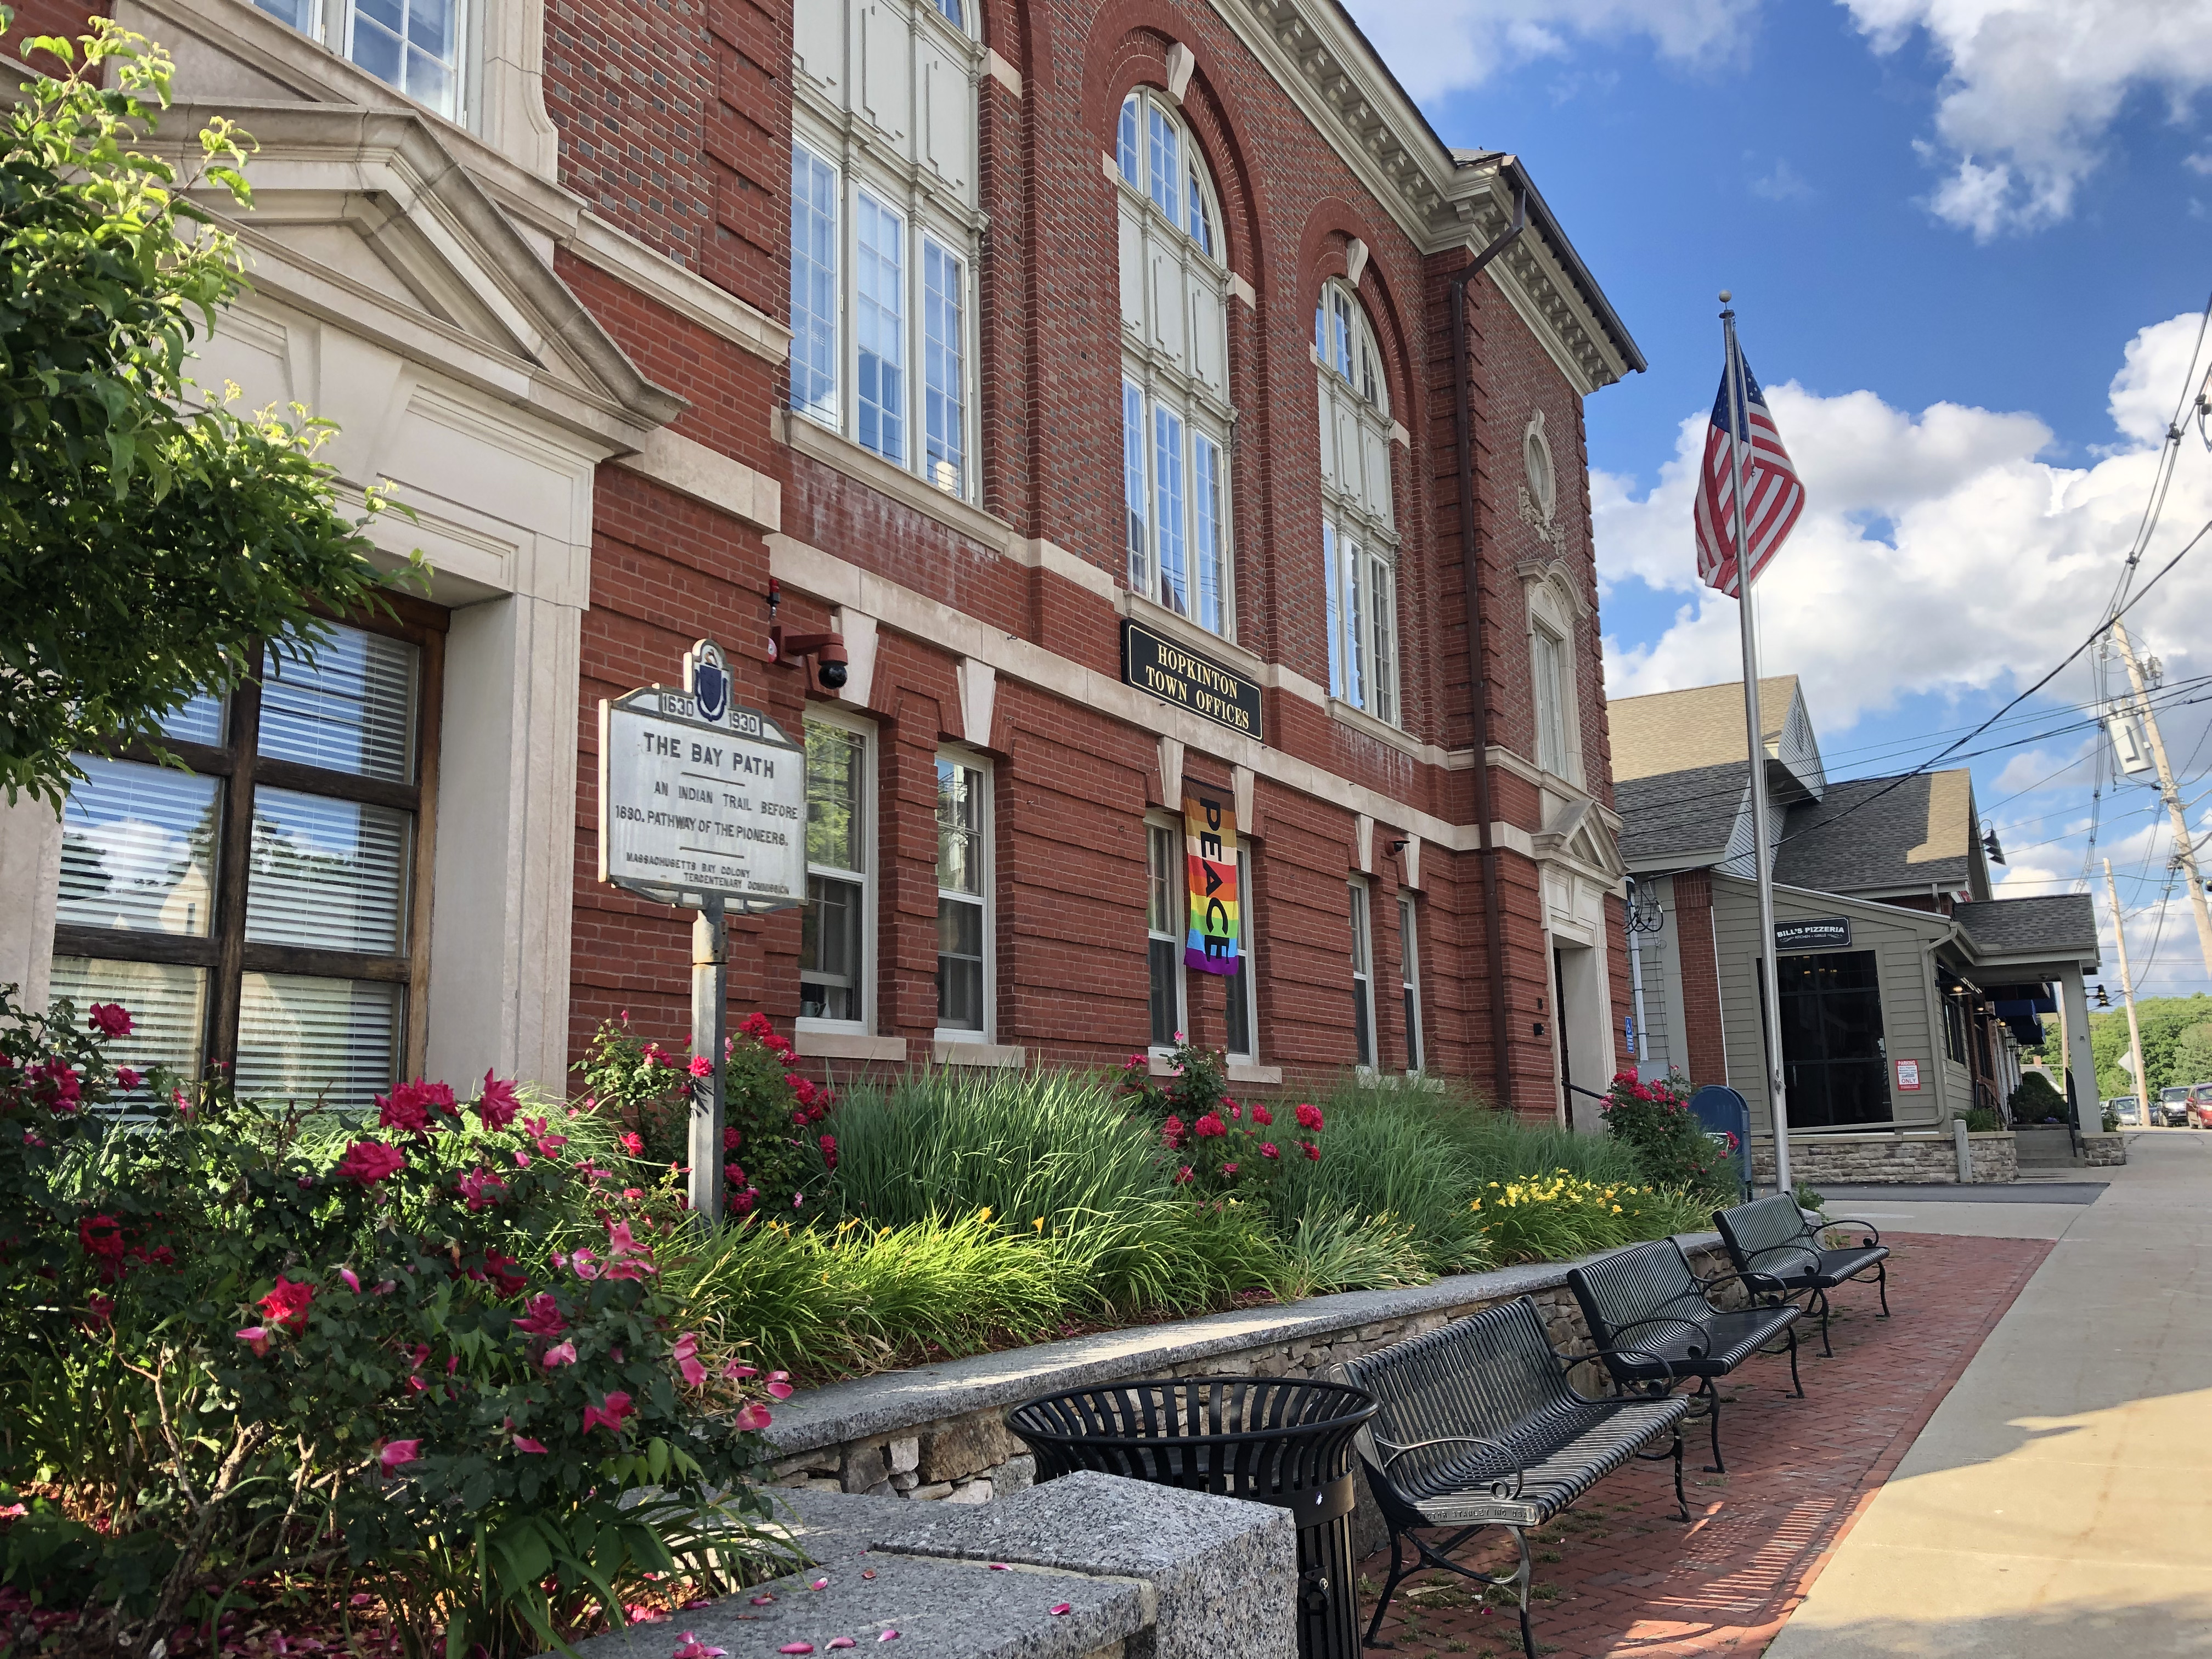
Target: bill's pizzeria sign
{"points": [[1167, 671]]}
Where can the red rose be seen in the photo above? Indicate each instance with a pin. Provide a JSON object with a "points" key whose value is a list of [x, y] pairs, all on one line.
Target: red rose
{"points": [[369, 1162], [287, 1305], [1309, 1116]]}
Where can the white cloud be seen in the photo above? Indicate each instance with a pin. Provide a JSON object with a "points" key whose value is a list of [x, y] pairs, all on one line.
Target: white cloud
{"points": [[1938, 552], [1437, 46], [2032, 89], [1784, 183]]}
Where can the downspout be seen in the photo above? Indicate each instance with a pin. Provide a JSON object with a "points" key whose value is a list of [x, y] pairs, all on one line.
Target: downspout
{"points": [[1494, 908]]}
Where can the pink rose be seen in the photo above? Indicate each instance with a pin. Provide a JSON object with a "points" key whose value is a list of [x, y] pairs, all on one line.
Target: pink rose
{"points": [[561, 1353], [255, 1338], [498, 1105], [617, 1406], [523, 1443], [369, 1162], [127, 1078], [396, 1454]]}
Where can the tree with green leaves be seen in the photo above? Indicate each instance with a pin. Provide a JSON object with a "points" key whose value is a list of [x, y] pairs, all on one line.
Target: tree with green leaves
{"points": [[152, 536]]}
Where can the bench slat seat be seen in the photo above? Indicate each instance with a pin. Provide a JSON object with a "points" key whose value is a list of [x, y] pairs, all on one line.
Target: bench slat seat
{"points": [[1648, 1307], [1770, 1239], [1478, 1426]]}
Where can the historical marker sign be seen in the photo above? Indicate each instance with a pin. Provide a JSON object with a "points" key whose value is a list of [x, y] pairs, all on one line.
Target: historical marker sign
{"points": [[699, 799], [1151, 662]]}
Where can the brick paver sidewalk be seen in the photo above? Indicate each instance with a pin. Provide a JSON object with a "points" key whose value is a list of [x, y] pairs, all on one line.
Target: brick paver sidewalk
{"points": [[1619, 1575]]}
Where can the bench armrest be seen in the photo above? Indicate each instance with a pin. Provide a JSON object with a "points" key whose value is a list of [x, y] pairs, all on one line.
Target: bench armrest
{"points": [[1803, 1245], [1498, 1484], [1568, 1362], [1845, 1221]]}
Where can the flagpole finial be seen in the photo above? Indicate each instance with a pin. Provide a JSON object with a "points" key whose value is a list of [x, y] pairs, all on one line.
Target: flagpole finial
{"points": [[1726, 296]]}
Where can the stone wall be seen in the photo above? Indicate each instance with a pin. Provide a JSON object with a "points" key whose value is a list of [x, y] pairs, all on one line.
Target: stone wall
{"points": [[939, 1431], [2102, 1150], [1889, 1159]]}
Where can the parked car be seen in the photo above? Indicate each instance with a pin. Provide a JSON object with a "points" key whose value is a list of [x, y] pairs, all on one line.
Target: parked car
{"points": [[2125, 1109], [2198, 1113], [2171, 1109]]}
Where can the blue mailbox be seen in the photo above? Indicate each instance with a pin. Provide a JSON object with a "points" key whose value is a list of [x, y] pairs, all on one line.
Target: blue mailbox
{"points": [[1727, 1119]]}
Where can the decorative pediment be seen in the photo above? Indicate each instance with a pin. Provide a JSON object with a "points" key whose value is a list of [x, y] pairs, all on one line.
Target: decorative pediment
{"points": [[1577, 834], [364, 219]]}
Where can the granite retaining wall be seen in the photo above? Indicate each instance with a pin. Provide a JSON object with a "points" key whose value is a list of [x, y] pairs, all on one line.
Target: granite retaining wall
{"points": [[1911, 1159]]}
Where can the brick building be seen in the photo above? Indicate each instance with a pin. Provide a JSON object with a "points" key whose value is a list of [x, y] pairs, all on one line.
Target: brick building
{"points": [[1003, 340]]}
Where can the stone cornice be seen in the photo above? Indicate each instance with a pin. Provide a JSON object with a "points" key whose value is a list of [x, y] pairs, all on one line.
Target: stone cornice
{"points": [[1440, 198]]}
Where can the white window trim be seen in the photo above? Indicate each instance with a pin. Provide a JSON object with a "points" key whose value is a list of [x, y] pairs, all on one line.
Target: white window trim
{"points": [[332, 28], [1409, 982], [987, 835], [1552, 611], [1178, 881], [927, 208], [1346, 516], [1249, 956], [823, 713], [1362, 980], [1162, 382]]}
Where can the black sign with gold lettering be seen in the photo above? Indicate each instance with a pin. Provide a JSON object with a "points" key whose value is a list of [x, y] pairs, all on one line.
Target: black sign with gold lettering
{"points": [[1173, 674]]}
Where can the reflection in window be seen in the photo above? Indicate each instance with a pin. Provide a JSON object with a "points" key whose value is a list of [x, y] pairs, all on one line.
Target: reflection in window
{"points": [[813, 285], [944, 381], [412, 45], [879, 327], [962, 930], [833, 926], [1164, 924]]}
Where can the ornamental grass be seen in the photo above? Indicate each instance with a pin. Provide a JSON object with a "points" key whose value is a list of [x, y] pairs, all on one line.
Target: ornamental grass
{"points": [[1559, 1215]]}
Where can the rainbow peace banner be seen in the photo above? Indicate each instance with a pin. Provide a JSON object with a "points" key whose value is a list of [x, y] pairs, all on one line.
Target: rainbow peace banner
{"points": [[1210, 828]]}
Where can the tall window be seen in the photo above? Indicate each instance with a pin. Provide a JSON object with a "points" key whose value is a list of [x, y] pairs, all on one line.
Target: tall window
{"points": [[886, 226], [1552, 682], [1164, 924], [257, 911], [1359, 536], [834, 929], [1175, 414], [1363, 976], [1243, 1015], [1409, 975], [412, 45], [964, 901]]}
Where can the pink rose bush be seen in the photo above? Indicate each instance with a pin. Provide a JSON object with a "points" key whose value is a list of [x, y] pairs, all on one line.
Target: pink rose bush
{"points": [[378, 1337], [1217, 1146], [1671, 1146]]}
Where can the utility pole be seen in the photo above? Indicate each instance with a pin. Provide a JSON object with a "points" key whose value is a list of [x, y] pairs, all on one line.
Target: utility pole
{"points": [[2184, 850], [2127, 996]]}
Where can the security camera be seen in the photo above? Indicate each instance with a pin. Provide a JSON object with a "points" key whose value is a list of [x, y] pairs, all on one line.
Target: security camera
{"points": [[830, 664], [825, 652]]}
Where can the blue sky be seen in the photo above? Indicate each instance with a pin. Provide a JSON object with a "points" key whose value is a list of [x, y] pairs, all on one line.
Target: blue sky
{"points": [[1968, 241]]}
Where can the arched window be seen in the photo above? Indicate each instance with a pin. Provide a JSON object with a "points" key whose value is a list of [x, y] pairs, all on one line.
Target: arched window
{"points": [[1359, 531], [1552, 679], [1176, 413]]}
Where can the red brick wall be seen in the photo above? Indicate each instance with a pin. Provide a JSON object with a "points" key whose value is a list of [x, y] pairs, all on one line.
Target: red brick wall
{"points": [[676, 123], [1705, 1049]]}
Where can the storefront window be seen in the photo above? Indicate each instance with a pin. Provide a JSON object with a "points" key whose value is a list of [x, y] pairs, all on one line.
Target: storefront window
{"points": [[1832, 1040]]}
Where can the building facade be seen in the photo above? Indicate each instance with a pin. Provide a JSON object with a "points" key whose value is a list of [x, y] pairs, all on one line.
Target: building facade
{"points": [[1908, 988], [1086, 368]]}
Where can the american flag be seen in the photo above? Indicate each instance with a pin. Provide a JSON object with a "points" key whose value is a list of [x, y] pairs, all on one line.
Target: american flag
{"points": [[1772, 494]]}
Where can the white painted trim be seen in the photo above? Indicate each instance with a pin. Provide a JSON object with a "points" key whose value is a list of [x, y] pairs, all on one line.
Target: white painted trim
{"points": [[979, 697], [1241, 777], [1412, 857], [658, 277], [1355, 261], [30, 893], [1003, 1056], [1399, 436], [1002, 72], [1181, 63], [707, 475], [849, 719], [959, 1037], [1242, 1072], [1364, 830], [1171, 773], [859, 633], [1237, 286], [848, 1045], [1113, 168]]}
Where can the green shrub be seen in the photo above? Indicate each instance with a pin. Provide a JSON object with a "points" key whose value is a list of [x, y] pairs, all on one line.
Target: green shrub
{"points": [[1672, 1148], [1982, 1121], [1557, 1216], [2035, 1099]]}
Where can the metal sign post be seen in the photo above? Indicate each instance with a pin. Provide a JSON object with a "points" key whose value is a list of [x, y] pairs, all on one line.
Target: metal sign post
{"points": [[702, 804]]}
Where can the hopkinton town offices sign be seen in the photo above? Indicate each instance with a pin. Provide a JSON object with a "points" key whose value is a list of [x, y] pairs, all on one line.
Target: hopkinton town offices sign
{"points": [[699, 799]]}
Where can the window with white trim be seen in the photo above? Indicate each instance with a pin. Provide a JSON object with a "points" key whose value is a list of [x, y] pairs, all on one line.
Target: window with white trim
{"points": [[836, 928], [1359, 534], [1363, 976], [413, 46], [1244, 1021], [885, 228], [1409, 979], [964, 975], [1176, 418], [1165, 909], [1551, 683]]}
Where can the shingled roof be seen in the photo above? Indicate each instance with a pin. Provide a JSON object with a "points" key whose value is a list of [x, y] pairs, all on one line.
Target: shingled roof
{"points": [[1682, 815], [1702, 726], [2060, 923], [1884, 835]]}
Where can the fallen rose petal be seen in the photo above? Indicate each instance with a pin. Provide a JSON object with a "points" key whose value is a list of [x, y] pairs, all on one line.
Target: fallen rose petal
{"points": [[1060, 1609], [796, 1647], [762, 1601], [1000, 1566], [819, 1584], [836, 1641], [868, 1572], [888, 1636]]}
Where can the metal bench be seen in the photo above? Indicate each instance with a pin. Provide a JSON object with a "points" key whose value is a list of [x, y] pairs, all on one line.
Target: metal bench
{"points": [[1654, 1319], [1478, 1427], [1770, 1240]]}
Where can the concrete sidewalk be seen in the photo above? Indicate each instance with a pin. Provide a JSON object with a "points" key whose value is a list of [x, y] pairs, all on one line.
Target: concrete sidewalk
{"points": [[2059, 1503]]}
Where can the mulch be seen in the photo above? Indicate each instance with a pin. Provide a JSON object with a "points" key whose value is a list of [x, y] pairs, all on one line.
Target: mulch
{"points": [[1619, 1575]]}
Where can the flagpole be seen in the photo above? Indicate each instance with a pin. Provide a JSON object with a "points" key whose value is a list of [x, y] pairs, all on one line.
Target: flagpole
{"points": [[1754, 733]]}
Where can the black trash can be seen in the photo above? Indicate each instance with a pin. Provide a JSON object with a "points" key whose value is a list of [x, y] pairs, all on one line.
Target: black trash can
{"points": [[1268, 1439]]}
